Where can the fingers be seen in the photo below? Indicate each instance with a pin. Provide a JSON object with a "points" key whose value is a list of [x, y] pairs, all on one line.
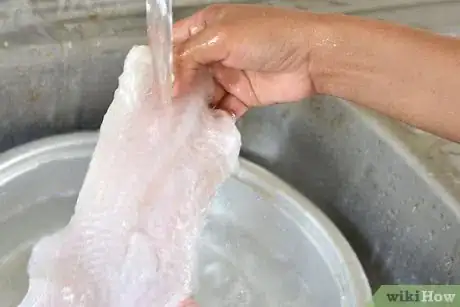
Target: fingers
{"points": [[184, 75], [232, 87], [190, 26], [201, 36], [199, 51], [219, 93], [233, 106], [235, 82], [200, 40], [185, 28], [205, 47]]}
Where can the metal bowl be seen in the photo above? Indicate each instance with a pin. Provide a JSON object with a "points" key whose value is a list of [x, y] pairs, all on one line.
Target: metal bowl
{"points": [[264, 244]]}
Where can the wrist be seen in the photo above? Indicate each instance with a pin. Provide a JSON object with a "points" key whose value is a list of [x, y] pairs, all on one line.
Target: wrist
{"points": [[328, 51]]}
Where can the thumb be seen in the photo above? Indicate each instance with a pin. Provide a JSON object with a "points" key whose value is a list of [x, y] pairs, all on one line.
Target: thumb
{"points": [[206, 47], [202, 49]]}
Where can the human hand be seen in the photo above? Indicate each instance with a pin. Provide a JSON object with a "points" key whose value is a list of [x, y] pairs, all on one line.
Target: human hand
{"points": [[258, 55]]}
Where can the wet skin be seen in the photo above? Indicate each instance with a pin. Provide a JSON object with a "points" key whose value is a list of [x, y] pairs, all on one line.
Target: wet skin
{"points": [[260, 55]]}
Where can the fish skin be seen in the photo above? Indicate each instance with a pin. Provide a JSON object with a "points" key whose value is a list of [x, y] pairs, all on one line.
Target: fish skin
{"points": [[155, 169]]}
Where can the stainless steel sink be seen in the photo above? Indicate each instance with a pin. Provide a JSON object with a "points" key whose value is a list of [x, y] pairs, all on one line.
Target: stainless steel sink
{"points": [[393, 192]]}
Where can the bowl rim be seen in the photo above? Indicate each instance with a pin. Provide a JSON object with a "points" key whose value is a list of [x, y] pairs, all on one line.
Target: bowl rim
{"points": [[25, 157]]}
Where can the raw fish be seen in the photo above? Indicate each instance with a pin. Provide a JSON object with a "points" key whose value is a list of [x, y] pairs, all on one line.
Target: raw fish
{"points": [[155, 169]]}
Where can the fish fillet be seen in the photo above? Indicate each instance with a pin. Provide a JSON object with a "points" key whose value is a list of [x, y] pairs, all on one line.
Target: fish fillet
{"points": [[155, 169]]}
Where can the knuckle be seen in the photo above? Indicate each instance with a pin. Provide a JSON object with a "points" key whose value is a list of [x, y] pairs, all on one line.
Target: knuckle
{"points": [[215, 9]]}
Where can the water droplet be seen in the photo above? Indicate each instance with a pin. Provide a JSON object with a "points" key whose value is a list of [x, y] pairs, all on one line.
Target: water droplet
{"points": [[446, 227], [393, 212], [409, 228], [448, 263]]}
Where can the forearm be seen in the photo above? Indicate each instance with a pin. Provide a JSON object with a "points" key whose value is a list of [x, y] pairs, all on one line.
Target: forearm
{"points": [[408, 74]]}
